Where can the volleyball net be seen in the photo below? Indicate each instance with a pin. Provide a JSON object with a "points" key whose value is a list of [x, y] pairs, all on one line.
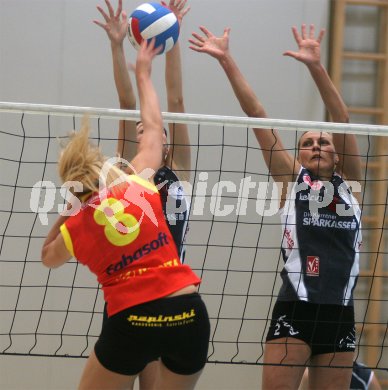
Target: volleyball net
{"points": [[233, 242]]}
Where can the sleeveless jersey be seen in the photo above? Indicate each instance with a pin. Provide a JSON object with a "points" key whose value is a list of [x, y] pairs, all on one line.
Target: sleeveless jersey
{"points": [[122, 236], [321, 241], [176, 207]]}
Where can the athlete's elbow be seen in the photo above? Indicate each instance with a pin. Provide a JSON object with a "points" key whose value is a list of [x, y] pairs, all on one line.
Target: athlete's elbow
{"points": [[176, 104], [47, 257], [341, 118], [125, 104], [255, 112]]}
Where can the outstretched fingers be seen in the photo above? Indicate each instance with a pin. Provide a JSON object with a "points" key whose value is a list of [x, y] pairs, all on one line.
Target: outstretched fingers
{"points": [[180, 5], [206, 31], [304, 36], [200, 40], [196, 44], [102, 25], [111, 13], [103, 14], [292, 54], [119, 9], [321, 35], [110, 8], [303, 30], [124, 17], [198, 37], [297, 37], [308, 44], [312, 32], [208, 43], [148, 47]]}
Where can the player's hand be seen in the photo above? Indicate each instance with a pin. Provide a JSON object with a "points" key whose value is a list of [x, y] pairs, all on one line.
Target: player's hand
{"points": [[116, 23], [178, 7], [309, 47], [145, 55], [208, 43]]}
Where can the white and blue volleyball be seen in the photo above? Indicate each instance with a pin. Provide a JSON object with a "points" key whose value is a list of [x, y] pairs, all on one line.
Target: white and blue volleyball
{"points": [[151, 20]]}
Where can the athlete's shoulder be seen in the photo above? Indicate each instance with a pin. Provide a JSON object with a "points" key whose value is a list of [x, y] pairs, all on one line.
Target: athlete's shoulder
{"points": [[142, 182]]}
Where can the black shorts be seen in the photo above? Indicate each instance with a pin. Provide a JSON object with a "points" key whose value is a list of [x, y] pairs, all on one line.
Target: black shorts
{"points": [[175, 329], [325, 328]]}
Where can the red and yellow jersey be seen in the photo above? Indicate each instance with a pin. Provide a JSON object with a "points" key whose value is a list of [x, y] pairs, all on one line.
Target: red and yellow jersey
{"points": [[122, 236]]}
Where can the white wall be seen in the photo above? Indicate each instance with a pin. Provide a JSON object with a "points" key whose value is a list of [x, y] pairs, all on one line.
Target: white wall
{"points": [[51, 52]]}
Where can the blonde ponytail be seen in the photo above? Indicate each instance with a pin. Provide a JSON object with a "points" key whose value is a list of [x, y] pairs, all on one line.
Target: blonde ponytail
{"points": [[81, 161]]}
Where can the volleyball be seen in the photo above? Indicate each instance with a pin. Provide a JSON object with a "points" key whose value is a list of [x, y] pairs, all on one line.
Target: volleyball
{"points": [[151, 20]]}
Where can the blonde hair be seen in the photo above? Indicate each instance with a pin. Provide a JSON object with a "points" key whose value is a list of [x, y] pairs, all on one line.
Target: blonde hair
{"points": [[81, 161]]}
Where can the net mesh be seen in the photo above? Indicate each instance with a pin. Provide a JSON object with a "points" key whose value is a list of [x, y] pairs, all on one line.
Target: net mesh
{"points": [[233, 242]]}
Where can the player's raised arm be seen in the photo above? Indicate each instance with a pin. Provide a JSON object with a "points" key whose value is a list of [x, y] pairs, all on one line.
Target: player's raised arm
{"points": [[149, 155], [280, 163], [179, 155], [116, 27], [309, 53]]}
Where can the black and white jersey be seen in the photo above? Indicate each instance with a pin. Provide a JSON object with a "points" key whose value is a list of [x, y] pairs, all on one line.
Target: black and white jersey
{"points": [[321, 241], [176, 207]]}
